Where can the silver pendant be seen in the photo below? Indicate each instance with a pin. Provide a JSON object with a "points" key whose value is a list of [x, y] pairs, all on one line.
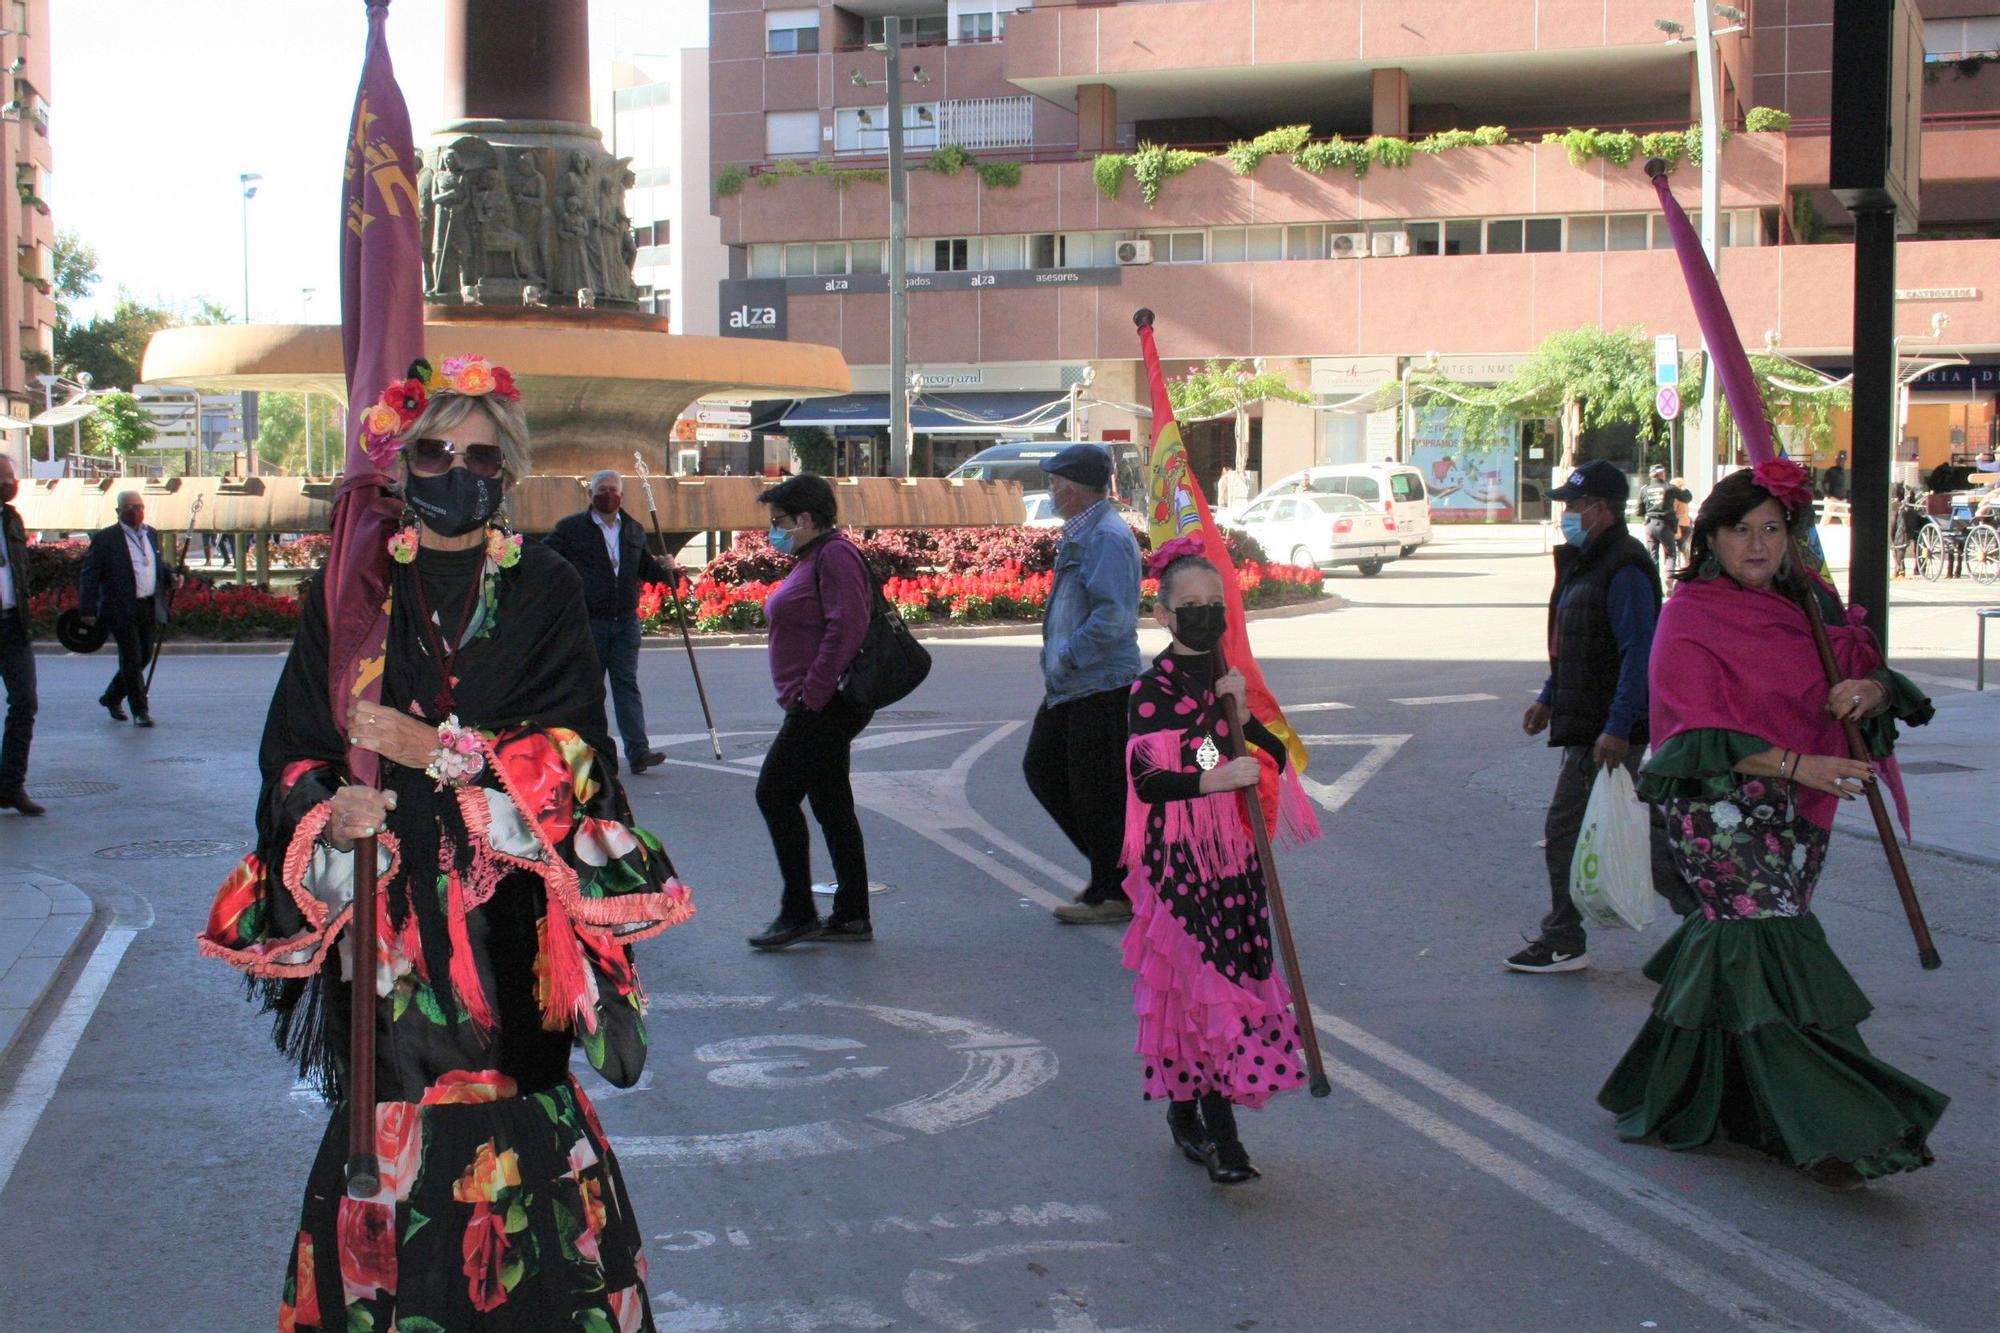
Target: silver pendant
{"points": [[1206, 755]]}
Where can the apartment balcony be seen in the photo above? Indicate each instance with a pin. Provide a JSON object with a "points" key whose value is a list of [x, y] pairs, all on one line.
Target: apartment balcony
{"points": [[981, 124], [1519, 180], [1284, 61]]}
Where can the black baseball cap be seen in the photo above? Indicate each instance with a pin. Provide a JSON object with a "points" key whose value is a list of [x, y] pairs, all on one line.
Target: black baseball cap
{"points": [[1086, 464], [1598, 479]]}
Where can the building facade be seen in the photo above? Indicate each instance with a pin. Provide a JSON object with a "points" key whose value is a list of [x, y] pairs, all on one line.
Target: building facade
{"points": [[1417, 236], [659, 119], [27, 303]]}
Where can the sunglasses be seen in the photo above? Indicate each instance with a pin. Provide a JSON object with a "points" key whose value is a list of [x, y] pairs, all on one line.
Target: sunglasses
{"points": [[430, 458]]}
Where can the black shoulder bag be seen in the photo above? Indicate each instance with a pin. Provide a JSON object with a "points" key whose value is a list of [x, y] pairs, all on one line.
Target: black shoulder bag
{"points": [[891, 663]]}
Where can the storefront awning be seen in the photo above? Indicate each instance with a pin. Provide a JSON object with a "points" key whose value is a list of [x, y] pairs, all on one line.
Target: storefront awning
{"points": [[942, 413]]}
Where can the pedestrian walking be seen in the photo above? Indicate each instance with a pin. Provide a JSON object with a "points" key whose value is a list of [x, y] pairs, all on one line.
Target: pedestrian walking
{"points": [[1090, 657], [1753, 1036], [1906, 520], [1593, 704], [1683, 519], [513, 886], [1833, 481], [1216, 1028], [608, 548], [17, 654], [818, 617], [127, 583], [1661, 505]]}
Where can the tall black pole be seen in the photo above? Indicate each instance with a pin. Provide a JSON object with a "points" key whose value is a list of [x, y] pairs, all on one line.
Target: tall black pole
{"points": [[1874, 414]]}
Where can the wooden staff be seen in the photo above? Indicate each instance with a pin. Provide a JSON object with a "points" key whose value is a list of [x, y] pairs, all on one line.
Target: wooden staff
{"points": [[364, 1174], [1857, 748], [1281, 921], [674, 595]]}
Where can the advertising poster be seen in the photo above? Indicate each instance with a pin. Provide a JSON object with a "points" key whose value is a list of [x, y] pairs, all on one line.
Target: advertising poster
{"points": [[1472, 479]]}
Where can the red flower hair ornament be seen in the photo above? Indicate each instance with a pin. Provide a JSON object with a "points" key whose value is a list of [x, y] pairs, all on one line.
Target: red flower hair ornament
{"points": [[1167, 552], [1787, 482], [404, 401]]}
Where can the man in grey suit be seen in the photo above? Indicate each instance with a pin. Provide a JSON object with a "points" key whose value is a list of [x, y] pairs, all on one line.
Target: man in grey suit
{"points": [[127, 584]]}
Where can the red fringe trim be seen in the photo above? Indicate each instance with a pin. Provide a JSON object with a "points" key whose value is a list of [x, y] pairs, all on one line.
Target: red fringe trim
{"points": [[567, 1001], [464, 967], [323, 928]]}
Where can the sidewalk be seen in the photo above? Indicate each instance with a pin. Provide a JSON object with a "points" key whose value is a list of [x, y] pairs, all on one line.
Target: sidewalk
{"points": [[1948, 771], [42, 919]]}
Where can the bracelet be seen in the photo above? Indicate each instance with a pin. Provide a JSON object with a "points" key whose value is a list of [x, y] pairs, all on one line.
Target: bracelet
{"points": [[459, 758]]}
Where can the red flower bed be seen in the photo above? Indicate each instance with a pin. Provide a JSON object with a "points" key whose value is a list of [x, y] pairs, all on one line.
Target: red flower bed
{"points": [[200, 612]]}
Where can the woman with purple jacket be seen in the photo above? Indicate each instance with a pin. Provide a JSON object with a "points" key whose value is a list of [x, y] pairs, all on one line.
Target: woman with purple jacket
{"points": [[817, 617]]}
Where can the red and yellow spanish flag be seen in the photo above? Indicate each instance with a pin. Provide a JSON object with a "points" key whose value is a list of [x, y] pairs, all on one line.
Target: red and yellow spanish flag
{"points": [[1175, 507]]}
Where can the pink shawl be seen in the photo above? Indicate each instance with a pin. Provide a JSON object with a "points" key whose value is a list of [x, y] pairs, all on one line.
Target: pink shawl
{"points": [[1742, 659]]}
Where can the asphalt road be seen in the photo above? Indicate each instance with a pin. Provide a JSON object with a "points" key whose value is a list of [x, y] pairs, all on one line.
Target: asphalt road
{"points": [[943, 1130]]}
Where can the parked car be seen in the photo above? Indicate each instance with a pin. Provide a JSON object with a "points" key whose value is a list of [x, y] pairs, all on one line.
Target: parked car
{"points": [[1020, 461], [1396, 489], [1041, 511], [1322, 531]]}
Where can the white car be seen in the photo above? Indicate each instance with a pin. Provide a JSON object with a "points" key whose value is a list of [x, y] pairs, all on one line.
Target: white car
{"points": [[1394, 488], [1322, 531], [1040, 511]]}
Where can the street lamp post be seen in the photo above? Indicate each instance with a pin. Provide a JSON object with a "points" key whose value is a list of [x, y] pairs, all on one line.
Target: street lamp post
{"points": [[1408, 442], [899, 209], [248, 180], [305, 395]]}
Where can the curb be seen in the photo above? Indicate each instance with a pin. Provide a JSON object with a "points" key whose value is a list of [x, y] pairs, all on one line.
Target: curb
{"points": [[42, 921], [661, 642]]}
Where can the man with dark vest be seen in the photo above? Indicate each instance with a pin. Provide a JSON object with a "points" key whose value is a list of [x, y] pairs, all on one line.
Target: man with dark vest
{"points": [[128, 584], [1593, 705], [1659, 505], [608, 548]]}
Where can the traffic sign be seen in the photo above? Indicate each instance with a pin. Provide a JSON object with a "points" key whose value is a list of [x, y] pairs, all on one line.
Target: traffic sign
{"points": [[1668, 401], [723, 402], [1666, 361], [722, 416], [723, 434]]}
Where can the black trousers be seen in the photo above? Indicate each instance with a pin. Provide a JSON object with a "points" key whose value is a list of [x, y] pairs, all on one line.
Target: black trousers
{"points": [[17, 671], [809, 762], [1663, 539], [135, 654], [1075, 766]]}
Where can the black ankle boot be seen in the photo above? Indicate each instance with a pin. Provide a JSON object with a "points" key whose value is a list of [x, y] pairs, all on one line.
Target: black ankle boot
{"points": [[1184, 1120], [1227, 1160]]}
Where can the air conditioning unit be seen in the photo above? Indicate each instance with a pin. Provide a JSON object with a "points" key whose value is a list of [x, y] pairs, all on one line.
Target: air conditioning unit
{"points": [[1135, 252], [1346, 245], [1383, 244]]}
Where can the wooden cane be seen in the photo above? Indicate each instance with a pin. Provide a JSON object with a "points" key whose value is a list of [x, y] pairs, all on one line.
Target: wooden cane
{"points": [[674, 595], [1857, 748], [1281, 921], [364, 1174]]}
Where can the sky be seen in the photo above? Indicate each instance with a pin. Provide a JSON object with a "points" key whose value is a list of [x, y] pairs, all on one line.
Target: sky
{"points": [[160, 105]]}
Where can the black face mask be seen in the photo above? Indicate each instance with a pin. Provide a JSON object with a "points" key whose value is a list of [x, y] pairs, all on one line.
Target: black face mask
{"points": [[1201, 627], [453, 503]]}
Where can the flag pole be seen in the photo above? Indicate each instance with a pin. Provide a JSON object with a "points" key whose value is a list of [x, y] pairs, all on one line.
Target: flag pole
{"points": [[674, 595]]}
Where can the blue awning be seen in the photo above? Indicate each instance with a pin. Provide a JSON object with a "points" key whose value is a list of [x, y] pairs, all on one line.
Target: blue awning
{"points": [[1012, 413]]}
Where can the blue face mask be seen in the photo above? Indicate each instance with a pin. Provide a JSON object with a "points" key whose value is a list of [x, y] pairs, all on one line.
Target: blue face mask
{"points": [[781, 540], [1573, 530]]}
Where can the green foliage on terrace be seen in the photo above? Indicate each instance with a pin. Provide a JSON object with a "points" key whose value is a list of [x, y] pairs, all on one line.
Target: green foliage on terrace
{"points": [[1108, 170], [1766, 119], [1244, 155], [951, 158], [1219, 388], [731, 180]]}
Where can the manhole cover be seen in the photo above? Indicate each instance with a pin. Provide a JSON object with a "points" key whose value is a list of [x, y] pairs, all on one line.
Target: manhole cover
{"points": [[74, 788], [1933, 766], [185, 848], [875, 886]]}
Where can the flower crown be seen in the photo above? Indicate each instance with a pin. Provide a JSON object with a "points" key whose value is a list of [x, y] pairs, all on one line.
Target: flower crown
{"points": [[1168, 552], [1787, 482], [404, 401]]}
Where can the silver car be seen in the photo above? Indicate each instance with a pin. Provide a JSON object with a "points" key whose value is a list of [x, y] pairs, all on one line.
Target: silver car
{"points": [[1323, 531]]}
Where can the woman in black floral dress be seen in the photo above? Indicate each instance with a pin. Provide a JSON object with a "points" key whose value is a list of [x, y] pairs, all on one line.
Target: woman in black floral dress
{"points": [[513, 885]]}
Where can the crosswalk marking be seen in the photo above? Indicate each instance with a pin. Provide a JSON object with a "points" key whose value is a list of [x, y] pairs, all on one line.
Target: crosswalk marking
{"points": [[1445, 699]]}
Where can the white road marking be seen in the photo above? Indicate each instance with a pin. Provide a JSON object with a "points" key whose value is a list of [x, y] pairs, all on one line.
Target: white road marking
{"points": [[674, 1314], [1424, 700], [786, 1143], [1314, 708], [30, 1096], [1335, 794]]}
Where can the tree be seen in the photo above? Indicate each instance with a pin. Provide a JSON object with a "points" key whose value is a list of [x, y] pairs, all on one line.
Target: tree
{"points": [[1229, 389], [282, 436], [122, 425], [814, 446]]}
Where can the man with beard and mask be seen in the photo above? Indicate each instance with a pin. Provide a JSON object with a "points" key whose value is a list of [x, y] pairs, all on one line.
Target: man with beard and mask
{"points": [[1075, 762], [514, 883], [608, 548], [1593, 704], [128, 585], [17, 655]]}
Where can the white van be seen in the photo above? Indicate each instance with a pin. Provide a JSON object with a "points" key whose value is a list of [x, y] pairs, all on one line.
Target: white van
{"points": [[1396, 488]]}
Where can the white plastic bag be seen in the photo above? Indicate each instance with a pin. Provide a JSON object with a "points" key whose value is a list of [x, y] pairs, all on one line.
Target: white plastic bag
{"points": [[1611, 872]]}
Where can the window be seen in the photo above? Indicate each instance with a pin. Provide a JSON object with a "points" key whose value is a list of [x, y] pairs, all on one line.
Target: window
{"points": [[1406, 486], [1305, 242], [919, 29], [791, 133], [1045, 251], [798, 261], [976, 27], [642, 236], [830, 257], [948, 256], [767, 261], [1664, 239], [1088, 249], [1006, 252], [1226, 245], [1545, 235], [1946, 39], [1264, 243], [1423, 237], [791, 32], [867, 257], [1586, 233], [1625, 232], [1503, 236], [1461, 238], [1176, 247]]}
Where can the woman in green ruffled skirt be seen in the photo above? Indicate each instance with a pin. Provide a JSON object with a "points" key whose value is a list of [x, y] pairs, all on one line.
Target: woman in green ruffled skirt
{"points": [[1753, 1036]]}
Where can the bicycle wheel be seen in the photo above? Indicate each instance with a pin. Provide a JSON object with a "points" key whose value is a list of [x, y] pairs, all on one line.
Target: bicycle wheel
{"points": [[1982, 554], [1930, 553]]}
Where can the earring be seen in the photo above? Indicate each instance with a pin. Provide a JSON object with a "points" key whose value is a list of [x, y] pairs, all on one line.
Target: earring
{"points": [[1709, 568]]}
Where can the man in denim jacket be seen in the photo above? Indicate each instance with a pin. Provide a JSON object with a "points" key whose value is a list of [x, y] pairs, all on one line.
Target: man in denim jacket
{"points": [[1075, 764]]}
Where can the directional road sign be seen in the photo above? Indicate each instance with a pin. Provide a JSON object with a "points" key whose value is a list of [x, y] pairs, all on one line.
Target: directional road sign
{"points": [[723, 434]]}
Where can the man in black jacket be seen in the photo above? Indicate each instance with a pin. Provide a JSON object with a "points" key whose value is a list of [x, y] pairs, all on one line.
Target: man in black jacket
{"points": [[128, 584], [1659, 505], [17, 655], [1593, 705], [608, 547]]}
